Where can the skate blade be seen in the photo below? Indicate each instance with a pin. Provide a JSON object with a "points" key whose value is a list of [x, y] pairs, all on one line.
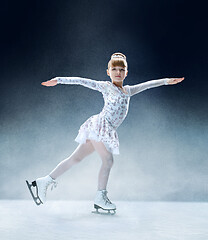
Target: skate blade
{"points": [[36, 199], [104, 211]]}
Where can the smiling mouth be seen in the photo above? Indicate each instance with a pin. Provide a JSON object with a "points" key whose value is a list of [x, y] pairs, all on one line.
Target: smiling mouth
{"points": [[118, 76]]}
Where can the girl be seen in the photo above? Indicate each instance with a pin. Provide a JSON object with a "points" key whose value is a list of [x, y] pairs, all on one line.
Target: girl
{"points": [[98, 133]]}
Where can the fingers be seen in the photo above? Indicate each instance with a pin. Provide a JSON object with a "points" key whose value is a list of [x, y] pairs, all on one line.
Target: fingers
{"points": [[175, 80], [180, 79], [50, 83], [47, 83], [44, 83]]}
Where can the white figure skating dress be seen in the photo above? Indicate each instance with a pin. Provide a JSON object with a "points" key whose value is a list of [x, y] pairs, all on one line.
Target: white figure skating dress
{"points": [[102, 126]]}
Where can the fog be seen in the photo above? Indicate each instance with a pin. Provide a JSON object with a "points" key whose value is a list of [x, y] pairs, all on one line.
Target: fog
{"points": [[163, 140], [162, 150]]}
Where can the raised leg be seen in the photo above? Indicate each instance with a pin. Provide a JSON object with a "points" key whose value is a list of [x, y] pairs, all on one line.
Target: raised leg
{"points": [[80, 153]]}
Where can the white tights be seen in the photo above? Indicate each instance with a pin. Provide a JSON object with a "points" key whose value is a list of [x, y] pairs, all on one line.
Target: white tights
{"points": [[80, 153]]}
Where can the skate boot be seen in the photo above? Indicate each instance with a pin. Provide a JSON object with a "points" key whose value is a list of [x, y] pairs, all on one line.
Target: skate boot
{"points": [[102, 202], [41, 185]]}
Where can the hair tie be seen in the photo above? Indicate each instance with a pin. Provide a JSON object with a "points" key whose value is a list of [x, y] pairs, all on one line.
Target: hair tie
{"points": [[118, 56]]}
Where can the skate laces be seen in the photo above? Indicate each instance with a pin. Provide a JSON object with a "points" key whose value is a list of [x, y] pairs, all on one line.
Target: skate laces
{"points": [[54, 185], [106, 199]]}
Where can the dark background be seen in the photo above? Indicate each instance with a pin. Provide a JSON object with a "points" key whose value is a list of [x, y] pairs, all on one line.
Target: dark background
{"points": [[44, 39]]}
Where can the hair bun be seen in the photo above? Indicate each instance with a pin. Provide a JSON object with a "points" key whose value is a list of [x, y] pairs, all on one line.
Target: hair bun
{"points": [[118, 59], [118, 55]]}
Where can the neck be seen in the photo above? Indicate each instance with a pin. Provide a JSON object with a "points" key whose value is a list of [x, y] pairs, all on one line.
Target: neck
{"points": [[118, 84]]}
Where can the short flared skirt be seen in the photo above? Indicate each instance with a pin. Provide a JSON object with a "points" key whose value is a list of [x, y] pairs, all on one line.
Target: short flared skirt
{"points": [[99, 129]]}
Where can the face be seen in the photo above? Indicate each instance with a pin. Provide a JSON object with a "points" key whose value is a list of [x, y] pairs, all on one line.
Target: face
{"points": [[117, 74]]}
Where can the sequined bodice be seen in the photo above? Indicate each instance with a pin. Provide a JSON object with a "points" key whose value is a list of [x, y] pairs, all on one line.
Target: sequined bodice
{"points": [[116, 105]]}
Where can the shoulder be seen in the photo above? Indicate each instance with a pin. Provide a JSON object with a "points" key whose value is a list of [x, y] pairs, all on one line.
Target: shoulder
{"points": [[108, 83], [127, 89]]}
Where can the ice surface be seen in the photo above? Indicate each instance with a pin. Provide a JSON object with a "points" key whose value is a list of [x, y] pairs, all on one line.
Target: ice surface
{"points": [[66, 220]]}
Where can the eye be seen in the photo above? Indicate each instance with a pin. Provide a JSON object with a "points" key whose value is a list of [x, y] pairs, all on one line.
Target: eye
{"points": [[122, 69]]}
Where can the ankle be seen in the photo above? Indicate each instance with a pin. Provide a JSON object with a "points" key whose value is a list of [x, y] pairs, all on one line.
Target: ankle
{"points": [[53, 178]]}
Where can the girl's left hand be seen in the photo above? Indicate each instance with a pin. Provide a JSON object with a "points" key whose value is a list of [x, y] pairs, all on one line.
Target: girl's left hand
{"points": [[174, 80], [50, 83]]}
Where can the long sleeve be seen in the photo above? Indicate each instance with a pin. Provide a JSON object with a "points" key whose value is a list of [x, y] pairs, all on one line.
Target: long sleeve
{"points": [[93, 84], [146, 85]]}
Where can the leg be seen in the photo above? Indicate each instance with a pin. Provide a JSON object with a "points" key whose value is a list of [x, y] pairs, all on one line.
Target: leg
{"points": [[81, 152], [101, 200], [107, 163], [41, 184]]}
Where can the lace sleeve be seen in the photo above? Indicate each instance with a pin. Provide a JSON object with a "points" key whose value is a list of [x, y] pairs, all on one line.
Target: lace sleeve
{"points": [[93, 84], [146, 85]]}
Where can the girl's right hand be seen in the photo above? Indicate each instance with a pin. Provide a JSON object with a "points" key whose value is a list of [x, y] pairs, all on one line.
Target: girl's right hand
{"points": [[174, 80], [50, 83]]}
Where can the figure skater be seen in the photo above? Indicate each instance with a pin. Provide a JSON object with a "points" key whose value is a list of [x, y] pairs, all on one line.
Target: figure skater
{"points": [[98, 133]]}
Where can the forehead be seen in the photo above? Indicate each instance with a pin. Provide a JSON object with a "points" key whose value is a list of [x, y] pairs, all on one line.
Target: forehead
{"points": [[119, 67]]}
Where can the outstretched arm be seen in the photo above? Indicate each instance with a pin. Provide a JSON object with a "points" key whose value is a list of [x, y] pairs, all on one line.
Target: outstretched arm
{"points": [[93, 84], [153, 83]]}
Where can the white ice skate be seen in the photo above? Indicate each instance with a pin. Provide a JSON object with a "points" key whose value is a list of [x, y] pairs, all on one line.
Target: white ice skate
{"points": [[41, 185], [102, 202]]}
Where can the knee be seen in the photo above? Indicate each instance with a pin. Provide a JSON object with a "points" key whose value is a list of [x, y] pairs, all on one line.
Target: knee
{"points": [[77, 159]]}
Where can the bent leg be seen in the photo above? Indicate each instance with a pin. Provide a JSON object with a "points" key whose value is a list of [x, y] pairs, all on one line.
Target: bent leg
{"points": [[107, 163], [80, 152]]}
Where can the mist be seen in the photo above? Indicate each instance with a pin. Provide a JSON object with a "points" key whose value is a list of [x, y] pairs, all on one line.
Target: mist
{"points": [[163, 140]]}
